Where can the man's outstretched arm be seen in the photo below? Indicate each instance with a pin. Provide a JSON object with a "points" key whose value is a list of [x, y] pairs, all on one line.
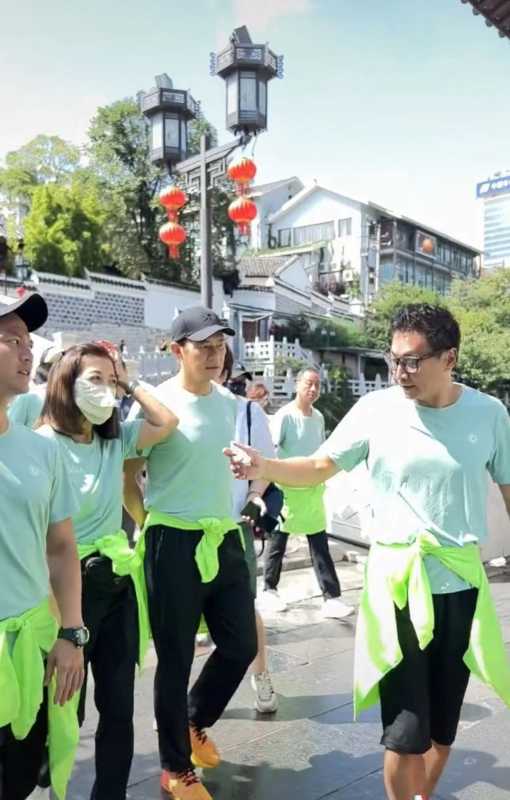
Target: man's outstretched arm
{"points": [[247, 463]]}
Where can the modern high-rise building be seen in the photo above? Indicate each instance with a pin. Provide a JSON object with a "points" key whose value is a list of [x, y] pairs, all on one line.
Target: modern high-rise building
{"points": [[495, 193]]}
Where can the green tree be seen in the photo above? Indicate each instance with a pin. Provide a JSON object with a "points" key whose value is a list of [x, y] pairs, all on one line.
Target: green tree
{"points": [[120, 156], [482, 308], [64, 230], [45, 159]]}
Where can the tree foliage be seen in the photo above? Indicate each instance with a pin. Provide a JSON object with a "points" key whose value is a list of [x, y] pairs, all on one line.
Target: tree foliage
{"points": [[64, 231], [43, 160]]}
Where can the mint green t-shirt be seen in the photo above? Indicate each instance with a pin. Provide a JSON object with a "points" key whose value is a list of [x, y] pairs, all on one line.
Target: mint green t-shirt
{"points": [[96, 473], [187, 474], [428, 467], [295, 434], [34, 492], [26, 408]]}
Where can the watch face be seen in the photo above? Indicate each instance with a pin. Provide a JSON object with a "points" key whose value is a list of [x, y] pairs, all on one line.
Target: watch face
{"points": [[82, 635]]}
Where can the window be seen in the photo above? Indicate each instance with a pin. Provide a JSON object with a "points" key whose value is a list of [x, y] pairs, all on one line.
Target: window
{"points": [[306, 234], [345, 226], [285, 237], [248, 91]]}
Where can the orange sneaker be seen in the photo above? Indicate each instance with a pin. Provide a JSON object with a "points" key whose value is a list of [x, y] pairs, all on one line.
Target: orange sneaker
{"points": [[183, 785], [203, 750]]}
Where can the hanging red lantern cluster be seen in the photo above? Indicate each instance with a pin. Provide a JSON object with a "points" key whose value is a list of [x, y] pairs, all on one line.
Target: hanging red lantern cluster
{"points": [[243, 210], [171, 233], [241, 172]]}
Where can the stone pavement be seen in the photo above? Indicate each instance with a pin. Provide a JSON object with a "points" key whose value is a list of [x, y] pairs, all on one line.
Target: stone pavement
{"points": [[311, 749]]}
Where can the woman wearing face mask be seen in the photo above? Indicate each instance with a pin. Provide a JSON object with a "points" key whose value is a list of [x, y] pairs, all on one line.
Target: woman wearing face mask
{"points": [[80, 413]]}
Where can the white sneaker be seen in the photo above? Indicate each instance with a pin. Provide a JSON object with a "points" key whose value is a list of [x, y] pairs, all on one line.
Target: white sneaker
{"points": [[266, 701], [335, 608], [271, 601]]}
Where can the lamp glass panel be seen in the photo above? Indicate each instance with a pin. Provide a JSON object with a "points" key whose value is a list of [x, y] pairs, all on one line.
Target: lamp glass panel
{"points": [[171, 132], [232, 94], [248, 91], [262, 97], [184, 135], [157, 131]]}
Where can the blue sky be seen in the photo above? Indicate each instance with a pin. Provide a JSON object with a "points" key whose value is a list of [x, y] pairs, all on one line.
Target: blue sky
{"points": [[404, 102]]}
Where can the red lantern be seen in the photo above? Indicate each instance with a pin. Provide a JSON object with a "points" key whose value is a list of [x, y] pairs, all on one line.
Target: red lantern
{"points": [[173, 199], [173, 235], [242, 211], [242, 171]]}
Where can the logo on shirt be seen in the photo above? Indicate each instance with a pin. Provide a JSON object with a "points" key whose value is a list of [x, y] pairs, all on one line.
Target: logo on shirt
{"points": [[34, 471], [472, 438]]}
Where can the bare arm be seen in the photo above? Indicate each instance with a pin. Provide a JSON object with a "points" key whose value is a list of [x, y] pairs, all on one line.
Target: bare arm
{"points": [[133, 497], [299, 472], [65, 577], [505, 491], [159, 421]]}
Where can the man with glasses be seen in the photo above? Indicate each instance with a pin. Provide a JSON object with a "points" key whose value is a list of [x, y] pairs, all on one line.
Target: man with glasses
{"points": [[194, 556], [426, 615]]}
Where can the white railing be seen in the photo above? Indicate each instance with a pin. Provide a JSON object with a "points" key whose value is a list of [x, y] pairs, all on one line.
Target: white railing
{"points": [[268, 350]]}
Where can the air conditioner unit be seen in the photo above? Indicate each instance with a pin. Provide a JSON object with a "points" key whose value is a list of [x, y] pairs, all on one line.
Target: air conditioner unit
{"points": [[347, 275]]}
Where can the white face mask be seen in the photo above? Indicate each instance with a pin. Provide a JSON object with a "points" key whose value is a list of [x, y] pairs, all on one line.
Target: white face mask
{"points": [[96, 402]]}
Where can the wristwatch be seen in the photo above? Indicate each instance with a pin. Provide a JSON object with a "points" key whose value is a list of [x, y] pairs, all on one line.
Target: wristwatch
{"points": [[77, 636], [131, 387]]}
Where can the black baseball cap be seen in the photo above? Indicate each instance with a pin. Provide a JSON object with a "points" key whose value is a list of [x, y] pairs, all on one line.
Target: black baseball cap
{"points": [[197, 324], [32, 309]]}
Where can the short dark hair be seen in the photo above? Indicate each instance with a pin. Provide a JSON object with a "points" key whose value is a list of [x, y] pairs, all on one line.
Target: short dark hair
{"points": [[59, 409], [436, 323]]}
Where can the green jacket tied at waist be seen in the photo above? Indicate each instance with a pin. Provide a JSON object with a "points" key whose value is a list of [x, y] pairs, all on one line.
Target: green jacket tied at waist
{"points": [[126, 561], [24, 642], [396, 575], [215, 530]]}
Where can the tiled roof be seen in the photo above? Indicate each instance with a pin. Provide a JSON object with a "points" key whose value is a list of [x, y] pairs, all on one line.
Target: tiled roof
{"points": [[260, 266], [496, 13]]}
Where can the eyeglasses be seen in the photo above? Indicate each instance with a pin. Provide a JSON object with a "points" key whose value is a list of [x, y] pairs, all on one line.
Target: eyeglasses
{"points": [[410, 364]]}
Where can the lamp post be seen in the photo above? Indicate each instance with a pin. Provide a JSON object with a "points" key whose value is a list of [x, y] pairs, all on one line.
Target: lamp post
{"points": [[246, 68]]}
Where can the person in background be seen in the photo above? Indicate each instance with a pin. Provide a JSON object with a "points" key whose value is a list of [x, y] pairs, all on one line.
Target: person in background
{"points": [[26, 408], [81, 417], [41, 665], [259, 393], [194, 555], [298, 430], [248, 506]]}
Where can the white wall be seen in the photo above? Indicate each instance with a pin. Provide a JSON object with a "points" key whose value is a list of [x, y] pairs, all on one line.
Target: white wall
{"points": [[268, 204], [163, 303], [321, 206], [296, 276]]}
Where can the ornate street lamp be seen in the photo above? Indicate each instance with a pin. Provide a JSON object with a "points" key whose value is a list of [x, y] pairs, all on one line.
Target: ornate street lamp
{"points": [[246, 69], [168, 110]]}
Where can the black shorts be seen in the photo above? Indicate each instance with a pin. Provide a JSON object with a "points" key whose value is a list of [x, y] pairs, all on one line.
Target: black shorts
{"points": [[421, 698]]}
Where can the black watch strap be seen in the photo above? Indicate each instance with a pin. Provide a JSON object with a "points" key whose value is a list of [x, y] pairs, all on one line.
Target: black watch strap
{"points": [[77, 636]]}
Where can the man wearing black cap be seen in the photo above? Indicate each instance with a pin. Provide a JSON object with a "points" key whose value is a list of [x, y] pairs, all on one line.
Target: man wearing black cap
{"points": [[36, 543], [194, 558]]}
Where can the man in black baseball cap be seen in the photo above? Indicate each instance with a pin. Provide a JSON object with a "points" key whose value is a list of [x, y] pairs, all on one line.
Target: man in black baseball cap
{"points": [[32, 309], [194, 556], [197, 324]]}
